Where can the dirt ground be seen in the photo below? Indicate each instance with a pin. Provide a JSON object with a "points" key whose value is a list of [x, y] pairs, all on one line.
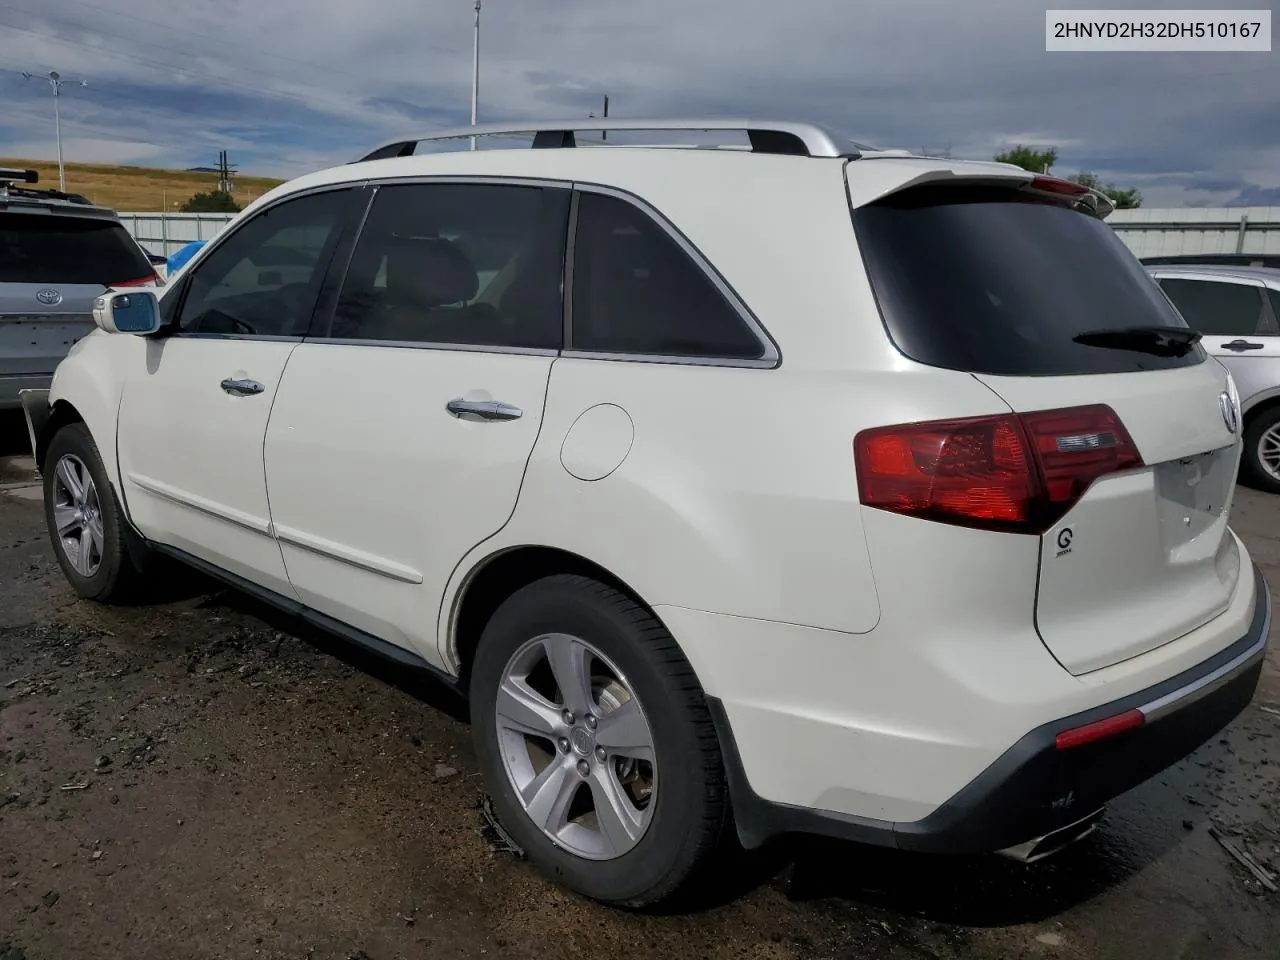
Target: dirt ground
{"points": [[186, 780]]}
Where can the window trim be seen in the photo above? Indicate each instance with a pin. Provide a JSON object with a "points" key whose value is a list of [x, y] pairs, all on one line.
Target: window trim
{"points": [[325, 324], [771, 357], [341, 251]]}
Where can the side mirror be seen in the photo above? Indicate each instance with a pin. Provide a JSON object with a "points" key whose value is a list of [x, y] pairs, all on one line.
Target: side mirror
{"points": [[136, 312]]}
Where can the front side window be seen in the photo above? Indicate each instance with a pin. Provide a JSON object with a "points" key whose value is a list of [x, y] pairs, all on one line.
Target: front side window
{"points": [[1217, 308], [636, 291], [458, 263], [264, 279]]}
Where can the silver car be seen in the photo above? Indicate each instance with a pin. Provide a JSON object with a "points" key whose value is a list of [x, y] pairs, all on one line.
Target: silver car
{"points": [[58, 252], [1237, 310]]}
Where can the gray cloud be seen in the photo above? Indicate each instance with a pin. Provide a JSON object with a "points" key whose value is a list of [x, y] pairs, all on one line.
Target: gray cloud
{"points": [[293, 84]]}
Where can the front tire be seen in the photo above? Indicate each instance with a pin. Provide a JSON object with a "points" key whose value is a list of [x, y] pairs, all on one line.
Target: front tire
{"points": [[594, 737], [86, 524], [1261, 457]]}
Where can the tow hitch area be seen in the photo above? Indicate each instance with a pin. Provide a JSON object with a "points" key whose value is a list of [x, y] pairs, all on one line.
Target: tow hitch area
{"points": [[1054, 841]]}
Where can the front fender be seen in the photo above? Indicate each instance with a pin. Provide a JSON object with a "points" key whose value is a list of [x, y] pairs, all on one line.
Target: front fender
{"points": [[88, 384]]}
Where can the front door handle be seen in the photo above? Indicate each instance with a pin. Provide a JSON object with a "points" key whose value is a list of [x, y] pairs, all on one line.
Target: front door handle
{"points": [[242, 388], [485, 409], [1241, 345]]}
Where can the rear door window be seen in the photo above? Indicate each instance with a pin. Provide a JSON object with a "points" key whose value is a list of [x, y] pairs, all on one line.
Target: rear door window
{"points": [[41, 248], [1217, 308], [984, 281]]}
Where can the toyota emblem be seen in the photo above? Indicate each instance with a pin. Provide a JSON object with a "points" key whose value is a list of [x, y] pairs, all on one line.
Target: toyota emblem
{"points": [[1230, 416], [50, 298]]}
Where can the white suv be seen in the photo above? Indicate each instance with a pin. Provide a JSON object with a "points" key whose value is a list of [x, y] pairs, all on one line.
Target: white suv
{"points": [[807, 488]]}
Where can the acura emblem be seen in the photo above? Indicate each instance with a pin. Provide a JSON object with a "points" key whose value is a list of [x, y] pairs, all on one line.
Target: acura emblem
{"points": [[49, 297], [1229, 415]]}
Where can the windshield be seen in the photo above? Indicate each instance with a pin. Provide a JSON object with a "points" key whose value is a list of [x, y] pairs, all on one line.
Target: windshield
{"points": [[985, 281], [39, 248]]}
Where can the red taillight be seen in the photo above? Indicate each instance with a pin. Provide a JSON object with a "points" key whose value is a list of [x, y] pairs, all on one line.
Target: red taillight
{"points": [[1068, 188], [139, 282], [1099, 730], [1016, 472]]}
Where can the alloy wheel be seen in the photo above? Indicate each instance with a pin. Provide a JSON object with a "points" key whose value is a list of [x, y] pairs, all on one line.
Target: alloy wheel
{"points": [[576, 746]]}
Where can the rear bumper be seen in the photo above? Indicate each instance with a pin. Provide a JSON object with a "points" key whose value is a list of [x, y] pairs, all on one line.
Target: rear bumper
{"points": [[1034, 788]]}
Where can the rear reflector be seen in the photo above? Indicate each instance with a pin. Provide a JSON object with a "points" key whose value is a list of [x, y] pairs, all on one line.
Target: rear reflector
{"points": [[1014, 472], [1099, 730], [139, 282]]}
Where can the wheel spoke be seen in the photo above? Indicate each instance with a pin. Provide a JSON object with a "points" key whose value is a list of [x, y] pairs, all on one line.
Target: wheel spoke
{"points": [[84, 553], [65, 519], [624, 732], [70, 478], [522, 708], [620, 822], [94, 528], [548, 795], [570, 664]]}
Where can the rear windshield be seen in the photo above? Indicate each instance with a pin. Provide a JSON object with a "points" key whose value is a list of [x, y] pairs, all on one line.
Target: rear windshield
{"points": [[979, 280], [37, 248]]}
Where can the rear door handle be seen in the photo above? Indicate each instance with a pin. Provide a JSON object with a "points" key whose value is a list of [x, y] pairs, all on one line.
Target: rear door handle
{"points": [[242, 388], [1241, 345], [485, 409]]}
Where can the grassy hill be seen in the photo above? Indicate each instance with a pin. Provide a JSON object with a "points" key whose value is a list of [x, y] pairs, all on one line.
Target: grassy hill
{"points": [[138, 188]]}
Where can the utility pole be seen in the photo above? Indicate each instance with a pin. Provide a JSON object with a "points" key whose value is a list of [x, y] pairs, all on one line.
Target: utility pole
{"points": [[56, 80], [475, 72]]}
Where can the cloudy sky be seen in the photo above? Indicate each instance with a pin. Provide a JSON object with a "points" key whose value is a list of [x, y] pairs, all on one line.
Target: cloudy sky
{"points": [[287, 86]]}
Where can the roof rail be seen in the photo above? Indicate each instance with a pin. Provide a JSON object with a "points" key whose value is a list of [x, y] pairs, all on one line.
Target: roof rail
{"points": [[16, 175], [766, 136]]}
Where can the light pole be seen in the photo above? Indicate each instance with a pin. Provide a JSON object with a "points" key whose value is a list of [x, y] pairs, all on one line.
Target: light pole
{"points": [[56, 80], [475, 72]]}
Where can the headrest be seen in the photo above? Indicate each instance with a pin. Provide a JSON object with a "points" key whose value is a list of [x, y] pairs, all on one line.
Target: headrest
{"points": [[431, 271]]}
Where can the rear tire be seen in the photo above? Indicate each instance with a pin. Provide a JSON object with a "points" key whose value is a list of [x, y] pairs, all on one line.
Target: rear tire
{"points": [[1262, 443], [93, 544], [646, 848]]}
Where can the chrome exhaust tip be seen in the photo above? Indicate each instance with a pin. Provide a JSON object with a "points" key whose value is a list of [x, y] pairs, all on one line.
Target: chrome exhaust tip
{"points": [[1054, 841]]}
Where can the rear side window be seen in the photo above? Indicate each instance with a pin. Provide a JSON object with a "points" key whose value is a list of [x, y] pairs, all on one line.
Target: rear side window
{"points": [[38, 248], [635, 290], [982, 281], [1217, 308]]}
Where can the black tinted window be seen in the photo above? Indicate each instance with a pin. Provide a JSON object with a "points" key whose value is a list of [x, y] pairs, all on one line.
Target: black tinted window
{"points": [[264, 279], [636, 291], [1273, 326], [38, 248], [475, 264], [978, 280], [1216, 309]]}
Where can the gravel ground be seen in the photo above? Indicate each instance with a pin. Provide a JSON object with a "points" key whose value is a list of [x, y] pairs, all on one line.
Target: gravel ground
{"points": [[189, 780]]}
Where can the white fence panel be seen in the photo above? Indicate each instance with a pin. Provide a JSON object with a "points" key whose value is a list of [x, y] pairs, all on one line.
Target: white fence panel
{"points": [[1148, 232], [166, 233], [1151, 232]]}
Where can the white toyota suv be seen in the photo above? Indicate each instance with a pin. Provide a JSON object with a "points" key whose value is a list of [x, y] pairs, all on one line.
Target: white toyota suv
{"points": [[810, 488]]}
